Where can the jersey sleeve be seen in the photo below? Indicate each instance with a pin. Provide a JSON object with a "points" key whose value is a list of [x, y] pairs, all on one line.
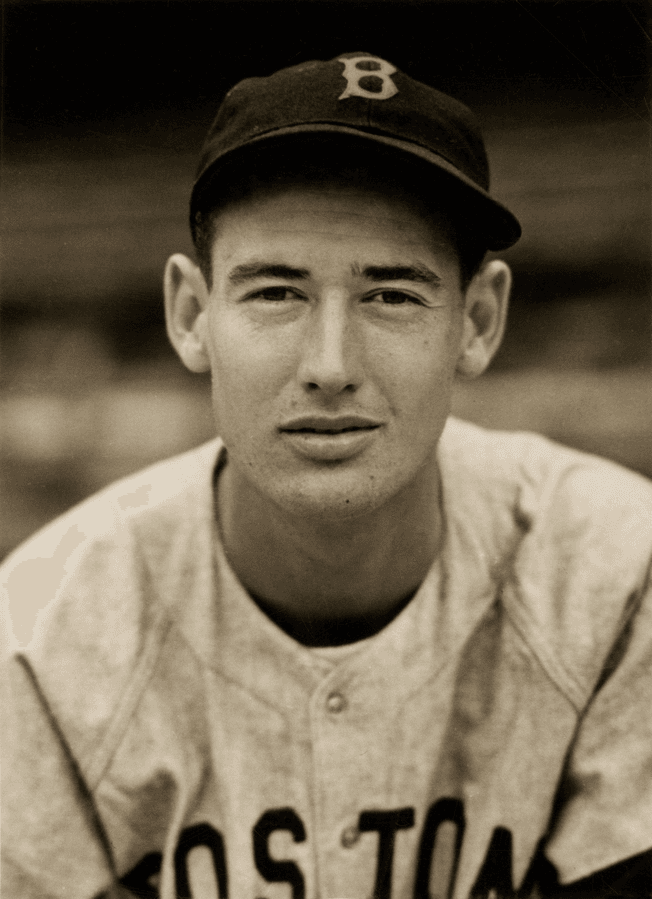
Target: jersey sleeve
{"points": [[69, 649], [605, 801], [52, 842]]}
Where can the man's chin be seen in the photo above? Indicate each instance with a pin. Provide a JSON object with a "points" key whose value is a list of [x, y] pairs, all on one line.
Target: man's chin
{"points": [[325, 492], [339, 497]]}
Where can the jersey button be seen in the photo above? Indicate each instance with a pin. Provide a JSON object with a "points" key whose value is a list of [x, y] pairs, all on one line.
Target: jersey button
{"points": [[350, 836], [335, 703]]}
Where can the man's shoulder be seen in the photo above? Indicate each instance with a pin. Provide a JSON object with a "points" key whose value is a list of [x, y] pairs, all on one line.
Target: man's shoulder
{"points": [[581, 507], [89, 601], [146, 494], [570, 537], [547, 471], [117, 538]]}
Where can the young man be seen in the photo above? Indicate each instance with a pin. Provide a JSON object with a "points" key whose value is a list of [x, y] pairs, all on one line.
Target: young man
{"points": [[353, 648]]}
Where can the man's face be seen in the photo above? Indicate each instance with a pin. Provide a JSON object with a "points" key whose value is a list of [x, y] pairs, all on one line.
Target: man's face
{"points": [[334, 325]]}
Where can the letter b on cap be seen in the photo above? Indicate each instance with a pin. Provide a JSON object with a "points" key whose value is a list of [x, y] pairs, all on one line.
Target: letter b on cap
{"points": [[368, 77]]}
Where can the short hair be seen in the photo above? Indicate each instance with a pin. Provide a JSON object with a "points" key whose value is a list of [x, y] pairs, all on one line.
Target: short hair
{"points": [[317, 159]]}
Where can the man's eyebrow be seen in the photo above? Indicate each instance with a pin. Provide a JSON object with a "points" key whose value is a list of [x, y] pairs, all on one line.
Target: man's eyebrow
{"points": [[249, 271], [417, 272]]}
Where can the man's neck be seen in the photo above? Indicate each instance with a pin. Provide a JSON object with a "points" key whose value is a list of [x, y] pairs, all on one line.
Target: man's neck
{"points": [[325, 582]]}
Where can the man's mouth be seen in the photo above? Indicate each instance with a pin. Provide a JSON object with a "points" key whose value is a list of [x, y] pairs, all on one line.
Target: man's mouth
{"points": [[330, 438], [330, 430], [323, 425]]}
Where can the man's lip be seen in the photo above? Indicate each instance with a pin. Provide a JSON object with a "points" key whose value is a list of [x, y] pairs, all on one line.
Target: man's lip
{"points": [[322, 424]]}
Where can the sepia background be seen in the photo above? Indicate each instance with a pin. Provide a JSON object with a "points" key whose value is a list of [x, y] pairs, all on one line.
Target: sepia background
{"points": [[105, 106]]}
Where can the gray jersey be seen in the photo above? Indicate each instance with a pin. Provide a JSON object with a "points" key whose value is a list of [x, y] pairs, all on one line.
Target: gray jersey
{"points": [[164, 734]]}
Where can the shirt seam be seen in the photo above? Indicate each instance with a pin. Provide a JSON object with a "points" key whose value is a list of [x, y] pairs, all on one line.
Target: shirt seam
{"points": [[155, 640], [96, 769], [563, 681], [218, 671]]}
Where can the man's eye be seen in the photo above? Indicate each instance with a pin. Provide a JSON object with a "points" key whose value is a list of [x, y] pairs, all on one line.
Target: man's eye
{"points": [[275, 294], [394, 297]]}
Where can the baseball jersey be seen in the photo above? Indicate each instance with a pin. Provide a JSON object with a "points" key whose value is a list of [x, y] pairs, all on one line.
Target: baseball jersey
{"points": [[165, 738]]}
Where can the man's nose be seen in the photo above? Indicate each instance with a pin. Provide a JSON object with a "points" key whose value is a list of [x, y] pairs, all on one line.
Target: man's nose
{"points": [[331, 355]]}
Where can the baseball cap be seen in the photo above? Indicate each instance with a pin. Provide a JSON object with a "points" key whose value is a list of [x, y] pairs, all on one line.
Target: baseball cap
{"points": [[369, 99]]}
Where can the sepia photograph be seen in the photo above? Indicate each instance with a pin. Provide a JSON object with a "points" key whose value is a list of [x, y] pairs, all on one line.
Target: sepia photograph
{"points": [[326, 449]]}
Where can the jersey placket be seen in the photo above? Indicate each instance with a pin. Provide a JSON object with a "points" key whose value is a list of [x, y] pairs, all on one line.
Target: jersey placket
{"points": [[345, 858], [362, 716]]}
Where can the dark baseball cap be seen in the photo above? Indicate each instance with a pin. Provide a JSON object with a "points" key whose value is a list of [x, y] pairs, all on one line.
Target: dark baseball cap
{"points": [[367, 98]]}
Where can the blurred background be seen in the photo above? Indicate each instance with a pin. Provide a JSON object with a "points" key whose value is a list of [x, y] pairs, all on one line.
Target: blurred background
{"points": [[105, 105]]}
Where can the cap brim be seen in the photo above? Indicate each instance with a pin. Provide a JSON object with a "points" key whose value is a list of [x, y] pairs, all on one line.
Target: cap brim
{"points": [[500, 227]]}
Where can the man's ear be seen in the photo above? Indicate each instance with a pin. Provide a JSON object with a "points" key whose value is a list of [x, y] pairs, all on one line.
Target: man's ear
{"points": [[186, 301], [485, 314]]}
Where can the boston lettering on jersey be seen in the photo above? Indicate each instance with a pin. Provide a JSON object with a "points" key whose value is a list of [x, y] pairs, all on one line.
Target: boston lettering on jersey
{"points": [[493, 880]]}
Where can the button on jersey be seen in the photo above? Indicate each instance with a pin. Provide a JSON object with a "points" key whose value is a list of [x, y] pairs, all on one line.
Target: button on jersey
{"points": [[335, 703]]}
